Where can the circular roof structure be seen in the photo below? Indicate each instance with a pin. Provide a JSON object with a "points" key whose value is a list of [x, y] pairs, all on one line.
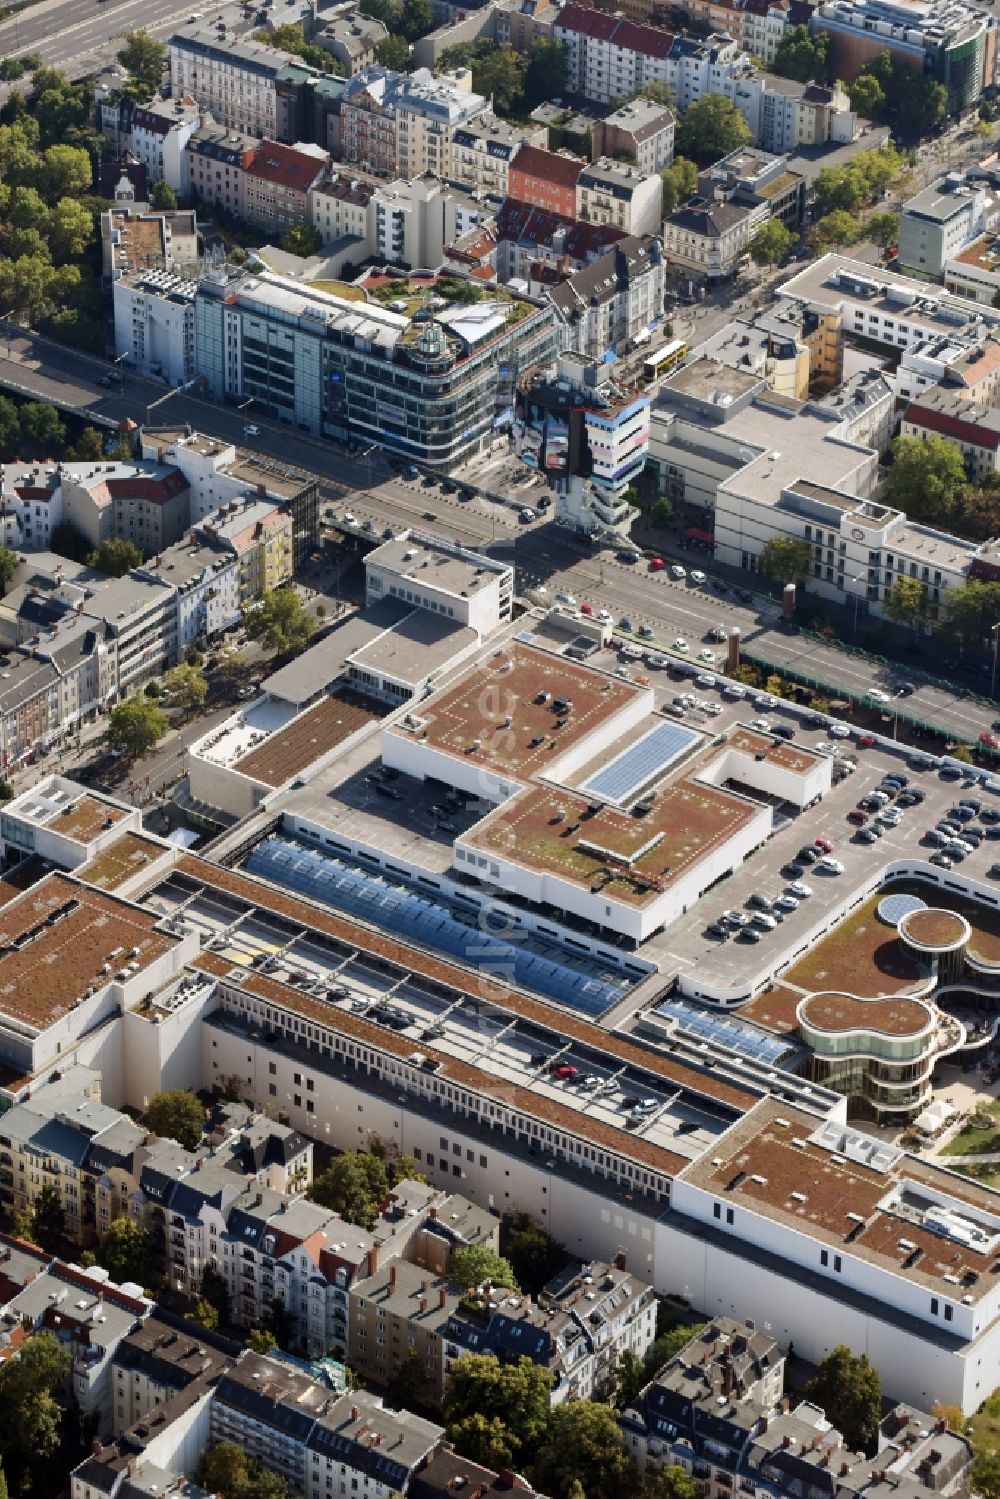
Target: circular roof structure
{"points": [[934, 929], [892, 908]]}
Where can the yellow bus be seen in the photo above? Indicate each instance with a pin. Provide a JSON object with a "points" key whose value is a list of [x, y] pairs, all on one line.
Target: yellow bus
{"points": [[666, 360]]}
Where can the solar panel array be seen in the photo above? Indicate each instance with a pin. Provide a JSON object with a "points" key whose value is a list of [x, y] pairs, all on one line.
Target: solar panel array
{"points": [[641, 762], [397, 910], [893, 908], [725, 1031]]}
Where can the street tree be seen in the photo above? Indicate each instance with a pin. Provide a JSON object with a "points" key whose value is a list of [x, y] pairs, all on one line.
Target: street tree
{"points": [[786, 559], [355, 1185], [849, 1391], [418, 18], [920, 103], [30, 1417], [187, 686], [484, 1439], [927, 478], [583, 1442], [772, 242], [883, 229], [662, 513], [124, 1252], [215, 1290], [907, 602], [177, 1115], [802, 56], [71, 228], [393, 51], [231, 664], [115, 556], [280, 621], [985, 1474], [712, 127], [472, 1264], [144, 59], [840, 227], [515, 1394], [972, 609], [89, 445], [205, 1315]]}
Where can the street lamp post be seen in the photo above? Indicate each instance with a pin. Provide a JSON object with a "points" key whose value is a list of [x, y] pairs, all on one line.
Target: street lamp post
{"points": [[8, 318], [995, 632], [857, 600], [121, 372]]}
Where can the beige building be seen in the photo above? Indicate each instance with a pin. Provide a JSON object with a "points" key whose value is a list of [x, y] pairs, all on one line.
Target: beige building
{"points": [[339, 206], [640, 130], [277, 184], [150, 506], [261, 535]]}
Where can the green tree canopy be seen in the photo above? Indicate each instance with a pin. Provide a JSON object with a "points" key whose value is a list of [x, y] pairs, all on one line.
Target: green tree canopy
{"points": [[971, 610], [583, 1443], [669, 1483], [187, 685], [261, 1340], [786, 559], [629, 1377], [355, 1185], [516, 1395], [231, 664], [135, 726], [484, 1439], [920, 103], [66, 171], [115, 556], [66, 540], [301, 239], [546, 73], [883, 229], [30, 1417], [837, 228], [205, 1315], [906, 603], [124, 1252], [867, 96], [848, 1389], [802, 55], [927, 478], [533, 1255], [291, 37], [8, 566], [225, 1469], [657, 91], [163, 196], [418, 19], [48, 1220], [71, 228], [178, 1115], [42, 426], [771, 243], [145, 61], [472, 1264], [393, 51], [280, 621], [679, 180], [89, 445], [712, 127]]}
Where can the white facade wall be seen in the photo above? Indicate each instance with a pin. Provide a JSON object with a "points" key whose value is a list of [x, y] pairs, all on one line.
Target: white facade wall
{"points": [[237, 95], [156, 333]]}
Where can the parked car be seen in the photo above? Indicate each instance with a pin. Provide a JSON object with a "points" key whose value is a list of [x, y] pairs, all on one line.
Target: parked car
{"points": [[676, 571]]}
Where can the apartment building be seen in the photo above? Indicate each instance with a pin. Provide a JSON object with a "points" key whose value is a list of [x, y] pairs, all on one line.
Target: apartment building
{"points": [[396, 124], [135, 241], [412, 222], [164, 1357], [641, 130], [157, 133], [750, 177], [973, 429], [277, 184], [427, 391], [319, 1442], [546, 180], [351, 37], [89, 1314], [710, 240], [609, 57], [155, 324], [235, 81], [704, 1407], [617, 296], [205, 580], [483, 149], [146, 503], [339, 206], [428, 572], [215, 163], [620, 195], [259, 534], [951, 41]]}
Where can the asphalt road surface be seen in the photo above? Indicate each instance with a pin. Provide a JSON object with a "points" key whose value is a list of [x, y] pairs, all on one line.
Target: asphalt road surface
{"points": [[74, 34]]}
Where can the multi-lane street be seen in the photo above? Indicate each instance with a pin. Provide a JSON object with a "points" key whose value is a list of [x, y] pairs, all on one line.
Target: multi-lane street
{"points": [[74, 35], [542, 552]]}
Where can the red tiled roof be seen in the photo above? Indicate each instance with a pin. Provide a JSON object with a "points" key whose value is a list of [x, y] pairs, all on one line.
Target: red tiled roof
{"points": [[547, 166], [285, 166], [952, 426], [33, 492], [536, 226], [634, 36]]}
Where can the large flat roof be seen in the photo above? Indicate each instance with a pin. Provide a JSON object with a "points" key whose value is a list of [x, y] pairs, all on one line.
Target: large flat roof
{"points": [[474, 710], [85, 818], [56, 938], [128, 856], [854, 1193], [308, 736]]}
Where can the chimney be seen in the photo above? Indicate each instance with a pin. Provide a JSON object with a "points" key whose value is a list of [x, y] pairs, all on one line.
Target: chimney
{"points": [[432, 1212], [355, 1414], [765, 1422], [621, 1260], [392, 1277], [817, 1438], [442, 1296], [96, 1447], [373, 1254], [425, 1285], [423, 1303], [845, 1468], [786, 1403], [786, 1440]]}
